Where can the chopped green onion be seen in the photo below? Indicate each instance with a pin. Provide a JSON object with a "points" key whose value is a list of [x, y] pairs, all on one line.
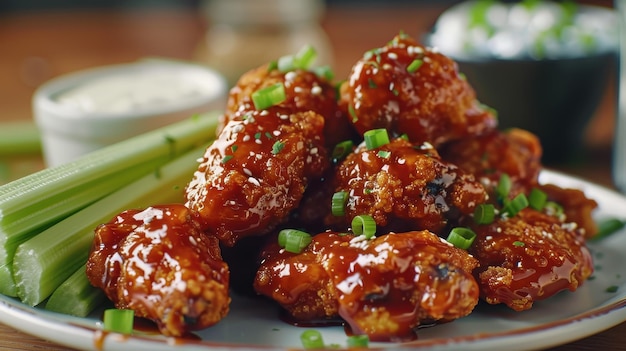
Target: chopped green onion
{"points": [[554, 209], [312, 339], [286, 63], [324, 72], [293, 240], [305, 57], [269, 96], [537, 199], [484, 214], [226, 158], [384, 154], [518, 203], [612, 289], [519, 244], [364, 225], [119, 321], [352, 113], [461, 237], [338, 205], [414, 66], [277, 147], [504, 187], [376, 138], [358, 341], [609, 226], [342, 150]]}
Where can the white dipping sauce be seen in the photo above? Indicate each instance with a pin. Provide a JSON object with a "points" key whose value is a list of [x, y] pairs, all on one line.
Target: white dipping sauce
{"points": [[137, 91]]}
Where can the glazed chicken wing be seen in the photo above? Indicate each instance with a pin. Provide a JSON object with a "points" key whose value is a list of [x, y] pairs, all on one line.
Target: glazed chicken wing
{"points": [[404, 187], [256, 172], [408, 88], [529, 257], [304, 91], [158, 263], [382, 287]]}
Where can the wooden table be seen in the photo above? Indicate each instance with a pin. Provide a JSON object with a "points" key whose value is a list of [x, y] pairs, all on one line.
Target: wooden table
{"points": [[40, 46]]}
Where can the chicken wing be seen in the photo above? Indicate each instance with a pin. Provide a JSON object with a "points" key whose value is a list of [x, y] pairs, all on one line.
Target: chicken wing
{"points": [[408, 88], [256, 171], [383, 287], [158, 263]]}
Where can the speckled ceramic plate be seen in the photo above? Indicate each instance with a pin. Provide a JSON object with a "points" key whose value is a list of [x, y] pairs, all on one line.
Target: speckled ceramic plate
{"points": [[254, 324]]}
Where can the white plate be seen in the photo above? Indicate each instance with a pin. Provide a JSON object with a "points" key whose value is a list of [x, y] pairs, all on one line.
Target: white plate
{"points": [[254, 324]]}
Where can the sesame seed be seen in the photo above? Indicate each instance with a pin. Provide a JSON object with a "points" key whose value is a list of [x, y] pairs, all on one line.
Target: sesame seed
{"points": [[247, 171], [254, 181], [316, 90], [246, 138], [291, 75], [393, 56]]}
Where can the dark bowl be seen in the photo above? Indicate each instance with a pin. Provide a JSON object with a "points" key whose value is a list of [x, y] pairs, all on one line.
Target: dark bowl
{"points": [[555, 99]]}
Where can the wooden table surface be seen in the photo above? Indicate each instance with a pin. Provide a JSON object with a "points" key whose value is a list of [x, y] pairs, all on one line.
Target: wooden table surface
{"points": [[38, 46]]}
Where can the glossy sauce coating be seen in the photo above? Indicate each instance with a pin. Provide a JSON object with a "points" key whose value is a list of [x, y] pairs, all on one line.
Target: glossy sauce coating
{"points": [[158, 263], [255, 173], [529, 257], [406, 187], [384, 287], [432, 103], [304, 91]]}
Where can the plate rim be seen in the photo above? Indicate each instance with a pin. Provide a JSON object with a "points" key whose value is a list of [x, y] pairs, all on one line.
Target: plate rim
{"points": [[76, 332]]}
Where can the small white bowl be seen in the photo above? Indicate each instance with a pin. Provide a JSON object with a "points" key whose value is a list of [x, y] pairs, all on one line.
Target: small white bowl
{"points": [[84, 111]]}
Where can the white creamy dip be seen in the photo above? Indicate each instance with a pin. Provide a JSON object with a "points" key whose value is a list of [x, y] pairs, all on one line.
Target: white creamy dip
{"points": [[145, 88]]}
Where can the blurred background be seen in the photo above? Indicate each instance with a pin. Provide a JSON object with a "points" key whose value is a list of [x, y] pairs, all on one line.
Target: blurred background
{"points": [[41, 40]]}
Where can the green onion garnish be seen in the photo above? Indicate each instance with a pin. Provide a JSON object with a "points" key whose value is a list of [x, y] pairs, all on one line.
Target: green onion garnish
{"points": [[305, 57], [342, 150], [293, 240], [352, 113], [364, 225], [324, 72], [504, 187], [518, 203], [414, 66], [484, 214], [358, 341], [553, 208], [537, 199], [269, 96], [461, 237], [119, 321], [384, 154], [519, 244], [376, 138], [312, 339], [277, 147], [609, 226], [338, 205]]}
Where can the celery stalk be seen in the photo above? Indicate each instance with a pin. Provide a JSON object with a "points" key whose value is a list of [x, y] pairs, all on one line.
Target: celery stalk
{"points": [[43, 262], [19, 138], [76, 296], [34, 202]]}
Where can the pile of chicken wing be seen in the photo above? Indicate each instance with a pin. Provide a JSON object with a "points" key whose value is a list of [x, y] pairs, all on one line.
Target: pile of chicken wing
{"points": [[278, 167]]}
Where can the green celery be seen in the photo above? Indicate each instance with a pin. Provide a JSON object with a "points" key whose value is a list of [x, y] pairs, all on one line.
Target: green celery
{"points": [[43, 262], [32, 203], [76, 296], [19, 138]]}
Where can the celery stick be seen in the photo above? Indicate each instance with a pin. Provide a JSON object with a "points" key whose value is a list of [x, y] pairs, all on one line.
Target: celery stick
{"points": [[34, 202], [76, 296], [19, 138], [43, 262]]}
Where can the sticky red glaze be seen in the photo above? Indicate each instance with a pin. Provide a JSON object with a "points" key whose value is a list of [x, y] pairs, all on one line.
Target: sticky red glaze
{"points": [[304, 91], [529, 257], [434, 103], [244, 185], [406, 187], [383, 287], [158, 263]]}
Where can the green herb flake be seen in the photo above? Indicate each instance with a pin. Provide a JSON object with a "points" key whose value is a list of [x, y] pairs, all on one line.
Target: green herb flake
{"points": [[277, 147], [414, 66], [384, 154], [226, 158], [612, 289], [519, 244]]}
